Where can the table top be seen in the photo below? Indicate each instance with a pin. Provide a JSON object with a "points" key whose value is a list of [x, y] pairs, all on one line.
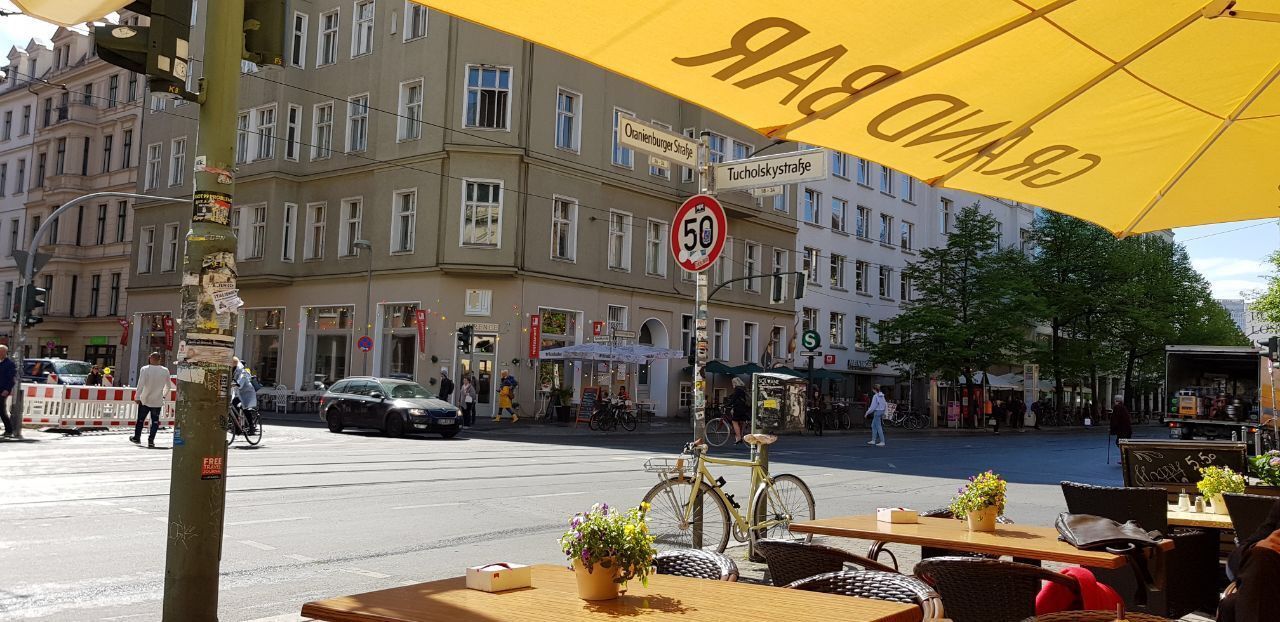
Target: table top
{"points": [[554, 596], [1028, 541], [1199, 519]]}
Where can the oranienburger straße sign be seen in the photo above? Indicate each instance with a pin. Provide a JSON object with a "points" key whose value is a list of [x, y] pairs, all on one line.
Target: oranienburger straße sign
{"points": [[639, 135], [774, 170]]}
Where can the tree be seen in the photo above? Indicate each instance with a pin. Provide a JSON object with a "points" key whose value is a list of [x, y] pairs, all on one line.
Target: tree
{"points": [[976, 303], [1267, 305]]}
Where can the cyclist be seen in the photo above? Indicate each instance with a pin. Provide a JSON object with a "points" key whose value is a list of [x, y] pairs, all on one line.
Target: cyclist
{"points": [[244, 396], [741, 405]]}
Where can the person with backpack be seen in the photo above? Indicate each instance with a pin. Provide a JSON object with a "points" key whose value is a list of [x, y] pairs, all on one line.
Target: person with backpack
{"points": [[244, 385], [741, 407]]}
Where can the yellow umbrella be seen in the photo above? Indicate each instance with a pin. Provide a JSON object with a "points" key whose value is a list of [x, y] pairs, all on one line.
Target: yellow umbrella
{"points": [[70, 12], [1138, 115]]}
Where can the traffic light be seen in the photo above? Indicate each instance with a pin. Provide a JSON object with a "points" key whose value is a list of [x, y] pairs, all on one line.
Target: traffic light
{"points": [[160, 51], [464, 338], [1273, 347], [34, 300], [264, 33]]}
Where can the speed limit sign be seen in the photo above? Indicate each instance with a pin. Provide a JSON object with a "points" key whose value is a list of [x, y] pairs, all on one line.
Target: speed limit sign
{"points": [[698, 233]]}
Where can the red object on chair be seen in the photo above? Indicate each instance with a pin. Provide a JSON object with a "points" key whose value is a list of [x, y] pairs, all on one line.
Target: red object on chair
{"points": [[1097, 596]]}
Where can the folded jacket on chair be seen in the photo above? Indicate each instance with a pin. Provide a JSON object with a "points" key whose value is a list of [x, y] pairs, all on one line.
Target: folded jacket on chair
{"points": [[1096, 596]]}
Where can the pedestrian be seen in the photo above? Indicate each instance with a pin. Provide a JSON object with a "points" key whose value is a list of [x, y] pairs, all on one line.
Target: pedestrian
{"points": [[876, 412], [997, 412], [468, 396], [1037, 410], [153, 383], [8, 375], [94, 379], [446, 385], [1121, 420], [741, 408], [506, 396]]}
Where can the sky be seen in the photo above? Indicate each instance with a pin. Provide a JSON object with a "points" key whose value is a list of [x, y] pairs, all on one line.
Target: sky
{"points": [[1231, 256]]}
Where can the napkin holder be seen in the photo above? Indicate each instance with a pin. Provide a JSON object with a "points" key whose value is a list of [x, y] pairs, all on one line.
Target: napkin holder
{"points": [[499, 577], [897, 515]]}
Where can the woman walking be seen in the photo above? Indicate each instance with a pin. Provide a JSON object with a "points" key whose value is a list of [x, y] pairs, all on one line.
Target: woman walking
{"points": [[467, 394], [876, 412]]}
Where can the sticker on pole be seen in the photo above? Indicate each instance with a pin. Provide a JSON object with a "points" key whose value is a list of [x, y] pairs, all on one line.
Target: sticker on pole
{"points": [[365, 343], [698, 233]]}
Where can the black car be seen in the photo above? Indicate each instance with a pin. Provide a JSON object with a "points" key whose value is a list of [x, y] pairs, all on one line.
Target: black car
{"points": [[396, 407], [54, 371]]}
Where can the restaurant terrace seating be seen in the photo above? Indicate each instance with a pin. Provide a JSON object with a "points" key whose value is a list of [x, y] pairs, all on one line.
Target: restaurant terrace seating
{"points": [[876, 584], [1248, 512], [697, 564], [974, 589], [790, 561]]}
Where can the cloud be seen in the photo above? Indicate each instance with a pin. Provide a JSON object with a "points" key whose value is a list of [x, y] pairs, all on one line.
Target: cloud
{"points": [[1236, 288]]}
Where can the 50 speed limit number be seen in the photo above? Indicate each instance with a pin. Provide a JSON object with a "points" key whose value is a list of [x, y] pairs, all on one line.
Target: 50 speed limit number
{"points": [[698, 233]]}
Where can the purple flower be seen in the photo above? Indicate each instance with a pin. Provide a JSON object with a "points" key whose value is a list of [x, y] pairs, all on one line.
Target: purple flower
{"points": [[1275, 462]]}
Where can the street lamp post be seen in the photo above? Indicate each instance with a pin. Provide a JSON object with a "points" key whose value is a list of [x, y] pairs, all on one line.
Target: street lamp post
{"points": [[364, 245]]}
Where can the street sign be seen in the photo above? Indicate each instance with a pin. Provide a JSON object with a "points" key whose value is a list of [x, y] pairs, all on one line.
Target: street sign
{"points": [[657, 162], [365, 344], [811, 340], [698, 233], [20, 256], [766, 192], [829, 359], [599, 339], [624, 334], [636, 134], [774, 170]]}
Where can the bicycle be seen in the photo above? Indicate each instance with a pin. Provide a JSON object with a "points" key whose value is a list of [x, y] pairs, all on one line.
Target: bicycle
{"points": [[689, 508], [720, 427], [813, 420], [908, 419], [245, 422], [612, 414]]}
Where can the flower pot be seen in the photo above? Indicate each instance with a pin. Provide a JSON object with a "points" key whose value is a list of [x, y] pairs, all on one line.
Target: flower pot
{"points": [[983, 520], [596, 582], [1219, 505]]}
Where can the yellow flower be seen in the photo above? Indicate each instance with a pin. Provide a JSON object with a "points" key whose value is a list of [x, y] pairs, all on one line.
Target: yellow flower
{"points": [[630, 529]]}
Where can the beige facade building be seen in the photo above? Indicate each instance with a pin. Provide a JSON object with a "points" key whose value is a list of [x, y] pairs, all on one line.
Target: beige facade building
{"points": [[484, 174]]}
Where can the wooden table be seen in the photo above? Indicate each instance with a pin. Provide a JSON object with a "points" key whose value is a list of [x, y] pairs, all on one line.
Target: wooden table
{"points": [[1199, 519], [554, 597], [1026, 541]]}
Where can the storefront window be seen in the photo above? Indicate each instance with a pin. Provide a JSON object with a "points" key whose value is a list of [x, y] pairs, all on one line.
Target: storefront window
{"points": [[558, 330], [152, 337], [100, 355], [399, 339], [328, 340], [263, 334]]}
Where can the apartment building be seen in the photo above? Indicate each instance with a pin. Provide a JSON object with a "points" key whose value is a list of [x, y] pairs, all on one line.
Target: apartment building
{"points": [[474, 176], [858, 230], [86, 131]]}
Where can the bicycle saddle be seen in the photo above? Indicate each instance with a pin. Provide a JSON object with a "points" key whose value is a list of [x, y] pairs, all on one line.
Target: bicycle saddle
{"points": [[760, 439]]}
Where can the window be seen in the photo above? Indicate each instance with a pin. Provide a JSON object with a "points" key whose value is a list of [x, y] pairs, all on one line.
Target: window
{"points": [[26, 121], [904, 292], [146, 249], [242, 138], [87, 95], [837, 271], [293, 142], [686, 334], [751, 266], [482, 213], [686, 396], [619, 240], [75, 290], [716, 145], [362, 28], [564, 228], [404, 209], [724, 265], [488, 102], [315, 231], [100, 232], [663, 172], [886, 281], [48, 111], [778, 289], [886, 229], [54, 230], [810, 206], [60, 158], [837, 330], [322, 131], [839, 164], [409, 123], [617, 318], [1025, 241], [350, 230], [864, 172], [126, 149], [106, 153], [749, 330], [780, 201], [298, 40], [20, 180], [478, 302], [132, 93], [908, 235], [860, 276], [265, 122], [622, 156], [121, 216], [177, 160], [8, 125], [415, 21], [84, 156], [686, 173], [861, 332], [777, 335], [741, 151], [568, 125], [288, 231], [14, 233], [327, 49], [720, 337], [862, 227], [4, 177], [655, 248], [839, 215], [169, 252], [35, 226], [999, 229], [8, 296], [152, 176], [908, 189], [808, 319], [944, 216], [113, 301], [886, 180], [256, 246], [357, 123], [809, 265], [41, 159], [158, 103]]}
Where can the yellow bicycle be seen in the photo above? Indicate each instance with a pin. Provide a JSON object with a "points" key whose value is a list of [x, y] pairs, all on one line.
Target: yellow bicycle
{"points": [[689, 507]]}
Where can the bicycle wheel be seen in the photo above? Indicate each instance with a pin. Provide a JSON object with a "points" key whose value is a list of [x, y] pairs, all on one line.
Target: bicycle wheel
{"points": [[667, 502], [718, 431], [916, 422], [253, 432], [594, 422], [774, 507], [628, 420], [232, 428]]}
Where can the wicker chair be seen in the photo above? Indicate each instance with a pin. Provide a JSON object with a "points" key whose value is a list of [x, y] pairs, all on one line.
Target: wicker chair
{"points": [[1190, 573], [790, 561], [697, 564], [1094, 616], [877, 585], [988, 590], [1248, 512]]}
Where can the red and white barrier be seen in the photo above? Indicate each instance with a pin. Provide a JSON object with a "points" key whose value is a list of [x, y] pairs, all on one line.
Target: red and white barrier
{"points": [[65, 406]]}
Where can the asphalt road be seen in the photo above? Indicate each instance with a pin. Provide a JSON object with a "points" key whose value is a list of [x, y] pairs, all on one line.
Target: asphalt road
{"points": [[312, 514]]}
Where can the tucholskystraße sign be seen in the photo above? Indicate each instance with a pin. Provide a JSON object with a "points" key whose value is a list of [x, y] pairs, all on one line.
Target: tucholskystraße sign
{"points": [[774, 170]]}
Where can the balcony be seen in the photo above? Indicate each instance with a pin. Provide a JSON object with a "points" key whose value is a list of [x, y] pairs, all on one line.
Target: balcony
{"points": [[75, 112], [66, 182]]}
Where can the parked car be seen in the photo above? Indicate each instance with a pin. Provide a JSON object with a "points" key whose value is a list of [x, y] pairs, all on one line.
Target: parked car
{"points": [[54, 371], [396, 407]]}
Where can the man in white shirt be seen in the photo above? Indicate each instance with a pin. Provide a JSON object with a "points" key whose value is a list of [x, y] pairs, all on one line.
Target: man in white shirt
{"points": [[153, 383], [876, 410]]}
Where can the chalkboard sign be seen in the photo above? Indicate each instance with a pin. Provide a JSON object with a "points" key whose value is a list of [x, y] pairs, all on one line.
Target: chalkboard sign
{"points": [[586, 405], [1174, 465]]}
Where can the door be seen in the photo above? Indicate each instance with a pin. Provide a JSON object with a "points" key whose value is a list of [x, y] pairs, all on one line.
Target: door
{"points": [[480, 364]]}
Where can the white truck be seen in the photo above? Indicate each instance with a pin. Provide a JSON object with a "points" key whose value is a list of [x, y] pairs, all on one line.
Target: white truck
{"points": [[1220, 393]]}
